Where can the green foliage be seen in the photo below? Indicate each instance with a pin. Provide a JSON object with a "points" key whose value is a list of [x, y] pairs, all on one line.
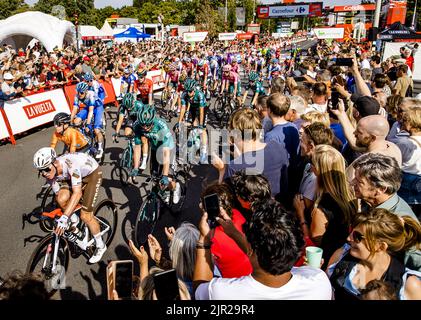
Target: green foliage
{"points": [[11, 7]]}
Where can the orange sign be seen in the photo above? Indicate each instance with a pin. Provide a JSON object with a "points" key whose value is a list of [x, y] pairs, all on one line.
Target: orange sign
{"points": [[359, 7], [244, 36], [39, 109]]}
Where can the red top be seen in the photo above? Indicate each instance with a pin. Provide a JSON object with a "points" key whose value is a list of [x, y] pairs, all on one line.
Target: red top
{"points": [[410, 62], [229, 258]]}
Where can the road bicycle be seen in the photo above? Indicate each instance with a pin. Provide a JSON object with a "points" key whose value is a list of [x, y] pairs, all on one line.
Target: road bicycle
{"points": [[167, 101], [223, 107], [125, 164], [51, 257], [156, 201]]}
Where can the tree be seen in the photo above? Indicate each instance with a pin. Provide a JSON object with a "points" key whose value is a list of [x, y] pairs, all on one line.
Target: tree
{"points": [[249, 6], [11, 7], [232, 16], [209, 19]]}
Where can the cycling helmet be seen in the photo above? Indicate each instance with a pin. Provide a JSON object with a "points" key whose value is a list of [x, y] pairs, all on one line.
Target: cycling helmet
{"points": [[88, 77], [183, 76], [189, 85], [253, 76], [82, 87], [146, 115], [44, 157], [128, 100], [275, 61], [142, 73], [201, 63], [227, 67], [187, 60], [126, 70], [61, 118]]}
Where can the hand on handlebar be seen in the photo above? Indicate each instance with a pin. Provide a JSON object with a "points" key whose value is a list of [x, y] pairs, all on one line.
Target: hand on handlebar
{"points": [[164, 182], [62, 225]]}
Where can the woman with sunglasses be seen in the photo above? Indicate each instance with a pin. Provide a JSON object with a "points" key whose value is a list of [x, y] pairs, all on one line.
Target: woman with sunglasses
{"points": [[374, 251]]}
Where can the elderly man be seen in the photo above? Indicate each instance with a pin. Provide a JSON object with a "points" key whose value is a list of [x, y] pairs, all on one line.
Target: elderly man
{"points": [[377, 181]]}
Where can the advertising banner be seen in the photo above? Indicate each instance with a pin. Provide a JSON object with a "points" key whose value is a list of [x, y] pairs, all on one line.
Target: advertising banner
{"points": [[3, 129], [32, 111], [227, 36], [194, 36], [253, 28], [289, 11], [329, 33], [245, 36], [157, 76], [358, 7]]}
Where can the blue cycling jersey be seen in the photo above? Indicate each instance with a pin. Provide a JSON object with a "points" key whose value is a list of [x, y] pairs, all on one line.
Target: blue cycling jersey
{"points": [[90, 100]]}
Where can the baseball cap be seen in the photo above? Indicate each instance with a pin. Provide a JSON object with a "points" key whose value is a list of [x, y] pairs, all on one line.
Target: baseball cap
{"points": [[365, 105], [7, 76], [86, 58]]}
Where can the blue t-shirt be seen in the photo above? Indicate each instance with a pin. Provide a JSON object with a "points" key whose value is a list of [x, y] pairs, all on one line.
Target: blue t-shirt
{"points": [[286, 134], [338, 131], [271, 161]]}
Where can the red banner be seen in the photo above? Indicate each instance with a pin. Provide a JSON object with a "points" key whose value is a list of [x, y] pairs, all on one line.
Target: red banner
{"points": [[359, 7], [263, 12], [244, 36], [39, 109]]}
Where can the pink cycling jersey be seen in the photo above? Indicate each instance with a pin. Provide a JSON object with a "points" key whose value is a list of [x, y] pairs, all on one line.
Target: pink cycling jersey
{"points": [[232, 78], [173, 75]]}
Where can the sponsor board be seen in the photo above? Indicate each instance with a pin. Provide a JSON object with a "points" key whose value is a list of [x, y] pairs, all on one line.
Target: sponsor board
{"points": [[227, 36], [157, 76], [244, 36], [329, 33], [35, 110], [289, 11], [358, 7], [194, 36]]}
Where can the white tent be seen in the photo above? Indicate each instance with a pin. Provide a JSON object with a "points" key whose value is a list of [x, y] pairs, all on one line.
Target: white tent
{"points": [[93, 33], [106, 29], [20, 29]]}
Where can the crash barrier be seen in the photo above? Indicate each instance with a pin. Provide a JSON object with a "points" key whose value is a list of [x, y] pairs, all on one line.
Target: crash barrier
{"points": [[23, 114]]}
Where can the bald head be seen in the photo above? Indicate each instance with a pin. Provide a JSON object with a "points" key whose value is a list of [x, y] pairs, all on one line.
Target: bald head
{"points": [[375, 125]]}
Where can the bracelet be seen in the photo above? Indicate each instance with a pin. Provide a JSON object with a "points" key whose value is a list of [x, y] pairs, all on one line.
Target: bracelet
{"points": [[203, 246]]}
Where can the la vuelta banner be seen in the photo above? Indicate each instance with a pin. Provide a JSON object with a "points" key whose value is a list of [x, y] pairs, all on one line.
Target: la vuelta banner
{"points": [[32, 111]]}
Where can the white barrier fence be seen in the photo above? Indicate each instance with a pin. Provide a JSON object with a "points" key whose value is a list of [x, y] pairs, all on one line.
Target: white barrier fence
{"points": [[157, 76], [3, 129], [35, 110]]}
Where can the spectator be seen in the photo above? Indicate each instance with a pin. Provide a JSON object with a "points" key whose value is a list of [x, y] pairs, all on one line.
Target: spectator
{"points": [[262, 109], [370, 255], [377, 181], [404, 84], [313, 135], [335, 205], [230, 260], [252, 154], [381, 82], [7, 85], [296, 110], [319, 97], [378, 290], [23, 287], [375, 66], [392, 107], [273, 242], [410, 147]]}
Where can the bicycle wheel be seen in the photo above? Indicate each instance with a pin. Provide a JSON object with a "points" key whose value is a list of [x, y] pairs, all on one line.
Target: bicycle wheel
{"points": [[218, 108], [125, 166], [106, 213], [48, 204], [53, 280], [146, 219]]}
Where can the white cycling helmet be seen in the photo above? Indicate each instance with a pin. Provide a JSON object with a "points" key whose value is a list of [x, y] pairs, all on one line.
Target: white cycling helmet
{"points": [[44, 157]]}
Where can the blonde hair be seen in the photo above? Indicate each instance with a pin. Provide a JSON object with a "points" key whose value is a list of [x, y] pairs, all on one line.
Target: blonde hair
{"points": [[331, 178], [412, 115], [399, 233], [315, 116], [246, 120], [147, 287]]}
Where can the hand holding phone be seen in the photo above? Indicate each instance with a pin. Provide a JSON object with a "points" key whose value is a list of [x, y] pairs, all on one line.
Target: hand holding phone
{"points": [[345, 62], [120, 279], [211, 203], [166, 285]]}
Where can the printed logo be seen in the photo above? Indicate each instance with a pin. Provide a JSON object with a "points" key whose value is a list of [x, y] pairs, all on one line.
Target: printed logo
{"points": [[39, 109]]}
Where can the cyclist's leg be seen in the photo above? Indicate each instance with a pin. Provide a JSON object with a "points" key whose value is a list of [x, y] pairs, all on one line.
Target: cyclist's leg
{"points": [[145, 152], [90, 195], [136, 155], [98, 114], [63, 195], [81, 116]]}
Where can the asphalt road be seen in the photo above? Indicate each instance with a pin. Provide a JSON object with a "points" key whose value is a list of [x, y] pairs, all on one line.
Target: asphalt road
{"points": [[19, 194]]}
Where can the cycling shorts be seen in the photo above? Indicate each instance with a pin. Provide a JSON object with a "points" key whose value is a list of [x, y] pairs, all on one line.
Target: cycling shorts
{"points": [[195, 114], [231, 88], [90, 193], [98, 113]]}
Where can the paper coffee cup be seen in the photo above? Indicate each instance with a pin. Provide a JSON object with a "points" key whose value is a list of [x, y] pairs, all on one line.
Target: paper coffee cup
{"points": [[314, 256]]}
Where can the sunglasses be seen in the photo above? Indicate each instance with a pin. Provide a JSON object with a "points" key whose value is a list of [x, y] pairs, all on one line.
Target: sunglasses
{"points": [[357, 237], [46, 170]]}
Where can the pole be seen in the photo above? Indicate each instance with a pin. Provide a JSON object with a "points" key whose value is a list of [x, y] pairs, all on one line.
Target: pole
{"points": [[377, 13], [413, 24], [226, 15], [254, 11], [77, 31]]}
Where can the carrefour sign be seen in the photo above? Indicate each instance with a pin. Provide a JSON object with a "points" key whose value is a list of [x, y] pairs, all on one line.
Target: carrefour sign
{"points": [[294, 10]]}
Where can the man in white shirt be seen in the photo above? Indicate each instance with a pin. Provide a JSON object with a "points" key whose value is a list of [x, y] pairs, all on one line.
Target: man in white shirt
{"points": [[7, 86], [273, 241]]}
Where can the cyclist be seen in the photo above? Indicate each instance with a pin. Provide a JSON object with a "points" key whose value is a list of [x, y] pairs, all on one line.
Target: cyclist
{"points": [[73, 139], [73, 170], [202, 72], [145, 87], [151, 127], [128, 109], [274, 69], [93, 108], [95, 86], [231, 82], [127, 82], [256, 87], [194, 100], [214, 72], [172, 81]]}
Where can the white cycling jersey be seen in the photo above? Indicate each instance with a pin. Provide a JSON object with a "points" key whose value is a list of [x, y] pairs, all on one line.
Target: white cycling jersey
{"points": [[76, 166]]}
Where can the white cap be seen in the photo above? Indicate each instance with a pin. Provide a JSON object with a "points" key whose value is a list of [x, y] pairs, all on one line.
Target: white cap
{"points": [[7, 76]]}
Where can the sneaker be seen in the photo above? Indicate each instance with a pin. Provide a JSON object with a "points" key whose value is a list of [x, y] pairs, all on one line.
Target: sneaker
{"points": [[204, 159], [99, 154], [98, 253], [177, 194], [143, 165]]}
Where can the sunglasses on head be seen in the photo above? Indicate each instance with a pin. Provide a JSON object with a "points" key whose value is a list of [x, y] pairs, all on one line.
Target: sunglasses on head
{"points": [[357, 236]]}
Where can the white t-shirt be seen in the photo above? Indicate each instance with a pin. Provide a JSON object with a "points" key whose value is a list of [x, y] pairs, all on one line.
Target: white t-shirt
{"points": [[365, 64], [307, 283], [411, 154]]}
